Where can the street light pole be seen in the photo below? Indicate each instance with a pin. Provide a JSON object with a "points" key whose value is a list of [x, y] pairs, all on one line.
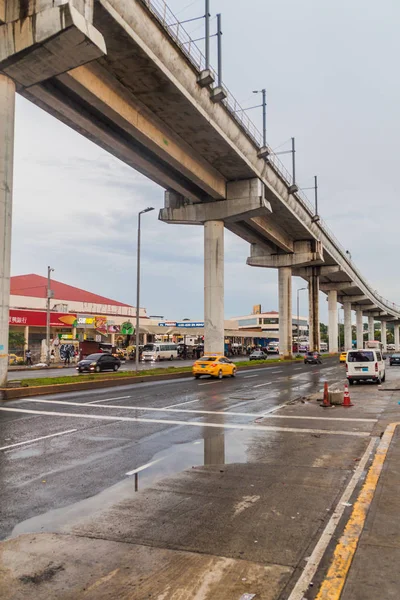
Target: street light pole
{"points": [[49, 296], [138, 287], [298, 315]]}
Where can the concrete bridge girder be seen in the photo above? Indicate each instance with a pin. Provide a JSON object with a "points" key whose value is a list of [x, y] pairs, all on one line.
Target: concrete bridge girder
{"points": [[47, 43], [244, 199], [337, 286], [352, 299], [303, 255]]}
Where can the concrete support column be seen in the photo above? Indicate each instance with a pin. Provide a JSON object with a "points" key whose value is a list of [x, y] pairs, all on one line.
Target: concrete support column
{"points": [[74, 334], [347, 326], [313, 309], [360, 327], [285, 312], [7, 111], [384, 335], [214, 287], [333, 322], [112, 341], [397, 337], [371, 332], [26, 339]]}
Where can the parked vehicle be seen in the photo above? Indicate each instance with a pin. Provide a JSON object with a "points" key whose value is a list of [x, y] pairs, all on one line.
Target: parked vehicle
{"points": [[343, 357], [159, 351], [273, 348], [13, 359], [214, 365], [258, 355], [99, 362], [312, 358], [365, 364], [394, 359]]}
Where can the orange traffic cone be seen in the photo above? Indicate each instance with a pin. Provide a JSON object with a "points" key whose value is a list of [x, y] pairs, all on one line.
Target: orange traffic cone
{"points": [[346, 397], [326, 403]]}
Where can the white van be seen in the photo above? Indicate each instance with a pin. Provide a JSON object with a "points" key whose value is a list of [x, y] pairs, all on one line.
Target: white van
{"points": [[365, 364], [159, 351]]}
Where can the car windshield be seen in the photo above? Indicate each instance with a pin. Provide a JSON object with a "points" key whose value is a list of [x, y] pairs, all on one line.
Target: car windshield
{"points": [[360, 356], [209, 358], [93, 356], [148, 347], [395, 355]]}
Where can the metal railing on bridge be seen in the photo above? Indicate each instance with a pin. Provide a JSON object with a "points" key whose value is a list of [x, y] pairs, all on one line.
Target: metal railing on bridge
{"points": [[182, 39]]}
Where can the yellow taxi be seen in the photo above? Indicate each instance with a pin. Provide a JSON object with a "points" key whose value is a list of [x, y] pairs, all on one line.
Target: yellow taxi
{"points": [[13, 359], [343, 357], [214, 365]]}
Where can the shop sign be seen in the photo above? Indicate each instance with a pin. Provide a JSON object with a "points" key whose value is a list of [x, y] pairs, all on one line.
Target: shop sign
{"points": [[85, 321], [36, 318], [127, 328], [65, 336], [114, 328], [189, 324], [167, 324]]}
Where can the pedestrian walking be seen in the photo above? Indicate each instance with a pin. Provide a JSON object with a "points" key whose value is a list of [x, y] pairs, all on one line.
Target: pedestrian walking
{"points": [[67, 357], [28, 357], [52, 356]]}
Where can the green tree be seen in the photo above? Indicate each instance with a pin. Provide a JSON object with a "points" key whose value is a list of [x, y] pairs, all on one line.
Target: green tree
{"points": [[16, 341]]}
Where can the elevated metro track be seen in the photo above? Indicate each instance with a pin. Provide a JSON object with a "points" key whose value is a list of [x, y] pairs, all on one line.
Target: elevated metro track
{"points": [[125, 74]]}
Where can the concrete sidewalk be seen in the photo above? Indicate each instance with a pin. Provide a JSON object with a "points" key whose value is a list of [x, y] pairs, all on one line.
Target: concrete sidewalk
{"points": [[374, 525]]}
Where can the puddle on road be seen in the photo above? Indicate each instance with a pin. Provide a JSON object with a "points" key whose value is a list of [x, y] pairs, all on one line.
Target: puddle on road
{"points": [[215, 448], [23, 453]]}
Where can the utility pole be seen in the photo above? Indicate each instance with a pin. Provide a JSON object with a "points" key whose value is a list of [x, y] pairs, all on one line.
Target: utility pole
{"points": [[49, 297], [207, 40], [142, 212], [219, 34]]}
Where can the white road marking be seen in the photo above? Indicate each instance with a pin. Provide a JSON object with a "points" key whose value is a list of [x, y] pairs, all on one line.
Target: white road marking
{"points": [[350, 419], [181, 403], [262, 384], [248, 376], [108, 399], [150, 464], [44, 437], [186, 423], [303, 583], [210, 382], [204, 412], [146, 408], [297, 369]]}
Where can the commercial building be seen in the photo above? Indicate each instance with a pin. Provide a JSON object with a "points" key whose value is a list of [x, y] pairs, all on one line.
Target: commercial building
{"points": [[267, 323], [76, 315]]}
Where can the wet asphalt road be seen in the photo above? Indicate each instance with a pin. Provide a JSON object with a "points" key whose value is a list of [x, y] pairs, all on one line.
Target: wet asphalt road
{"points": [[127, 366], [97, 447]]}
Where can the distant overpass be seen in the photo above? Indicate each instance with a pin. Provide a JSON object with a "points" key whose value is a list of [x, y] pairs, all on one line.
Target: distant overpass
{"points": [[127, 76]]}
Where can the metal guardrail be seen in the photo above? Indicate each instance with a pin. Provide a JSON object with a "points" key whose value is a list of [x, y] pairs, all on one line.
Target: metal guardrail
{"points": [[182, 39]]}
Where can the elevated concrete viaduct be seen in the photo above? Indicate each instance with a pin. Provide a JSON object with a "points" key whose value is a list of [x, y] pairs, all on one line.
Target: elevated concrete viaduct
{"points": [[126, 75]]}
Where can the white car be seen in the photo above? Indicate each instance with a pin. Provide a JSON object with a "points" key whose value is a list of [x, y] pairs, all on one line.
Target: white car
{"points": [[365, 364]]}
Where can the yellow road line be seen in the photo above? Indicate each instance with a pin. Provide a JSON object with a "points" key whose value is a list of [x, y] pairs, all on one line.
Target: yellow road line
{"points": [[335, 579]]}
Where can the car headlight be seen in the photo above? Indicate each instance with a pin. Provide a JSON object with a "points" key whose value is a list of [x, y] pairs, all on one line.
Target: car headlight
{"points": [[93, 364]]}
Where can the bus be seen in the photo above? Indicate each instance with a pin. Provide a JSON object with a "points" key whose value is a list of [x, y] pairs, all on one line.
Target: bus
{"points": [[159, 351], [373, 345]]}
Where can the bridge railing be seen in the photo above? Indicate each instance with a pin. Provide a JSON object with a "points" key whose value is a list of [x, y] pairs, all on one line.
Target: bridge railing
{"points": [[181, 37]]}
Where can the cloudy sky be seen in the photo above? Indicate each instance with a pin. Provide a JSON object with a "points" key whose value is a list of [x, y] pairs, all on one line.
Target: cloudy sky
{"points": [[330, 70]]}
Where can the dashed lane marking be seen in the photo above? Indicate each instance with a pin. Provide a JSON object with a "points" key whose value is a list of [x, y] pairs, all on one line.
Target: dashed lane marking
{"points": [[262, 384], [182, 403], [38, 439], [142, 468], [185, 423], [108, 399]]}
